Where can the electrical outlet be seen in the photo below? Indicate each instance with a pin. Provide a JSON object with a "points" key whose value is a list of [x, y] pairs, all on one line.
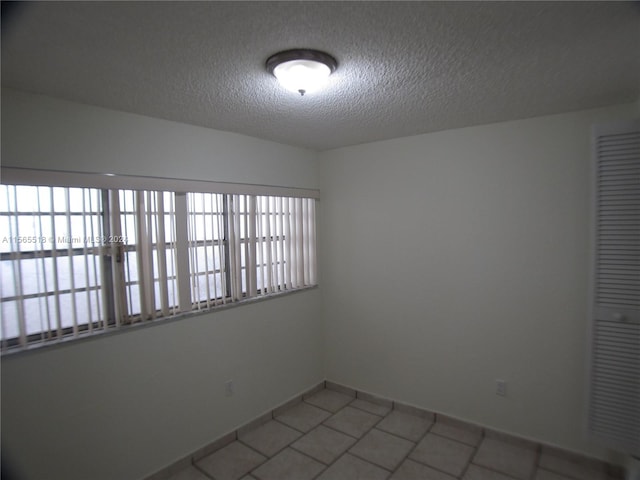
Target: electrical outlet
{"points": [[229, 388], [501, 388]]}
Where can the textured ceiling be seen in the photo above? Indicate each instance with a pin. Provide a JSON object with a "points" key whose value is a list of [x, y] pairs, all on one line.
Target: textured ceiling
{"points": [[404, 67]]}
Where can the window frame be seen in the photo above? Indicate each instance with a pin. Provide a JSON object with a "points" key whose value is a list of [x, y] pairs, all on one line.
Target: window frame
{"points": [[179, 188]]}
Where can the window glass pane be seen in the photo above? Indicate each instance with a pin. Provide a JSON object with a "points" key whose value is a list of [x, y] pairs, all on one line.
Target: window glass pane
{"points": [[208, 258], [26, 199], [9, 320], [63, 273], [76, 199], [32, 282], [5, 239], [62, 234], [7, 287], [215, 285], [130, 267], [133, 299], [59, 199], [129, 229], [243, 276], [171, 293], [35, 310], [168, 229], [243, 226], [5, 193], [171, 262], [44, 198]]}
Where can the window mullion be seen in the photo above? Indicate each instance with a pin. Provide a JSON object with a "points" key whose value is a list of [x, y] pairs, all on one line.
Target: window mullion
{"points": [[108, 299], [17, 275], [161, 253], [121, 311], [42, 274], [142, 243], [70, 232], [251, 264], [182, 253], [227, 261], [54, 263]]}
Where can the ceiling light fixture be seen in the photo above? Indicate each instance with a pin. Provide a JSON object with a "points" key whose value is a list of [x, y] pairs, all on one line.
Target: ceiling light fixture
{"points": [[301, 70]]}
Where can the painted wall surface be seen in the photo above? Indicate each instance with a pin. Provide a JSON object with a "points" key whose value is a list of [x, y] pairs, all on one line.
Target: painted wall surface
{"points": [[47, 133], [460, 257], [125, 405]]}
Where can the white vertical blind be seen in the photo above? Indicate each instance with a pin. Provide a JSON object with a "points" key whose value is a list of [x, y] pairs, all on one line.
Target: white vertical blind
{"points": [[185, 301], [162, 254], [250, 268], [143, 253], [222, 251], [614, 411], [116, 257], [235, 247], [206, 249], [171, 258], [49, 272], [286, 243]]}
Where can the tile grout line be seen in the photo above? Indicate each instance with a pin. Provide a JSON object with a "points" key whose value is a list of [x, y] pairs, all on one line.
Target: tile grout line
{"points": [[367, 411], [236, 436], [250, 472], [357, 439], [290, 426], [422, 437], [268, 457], [470, 461], [340, 431], [197, 467], [347, 452], [498, 436], [391, 472], [374, 427], [399, 436], [455, 440], [290, 445]]}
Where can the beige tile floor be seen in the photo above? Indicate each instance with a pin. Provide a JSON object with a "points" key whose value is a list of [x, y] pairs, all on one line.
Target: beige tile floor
{"points": [[333, 436]]}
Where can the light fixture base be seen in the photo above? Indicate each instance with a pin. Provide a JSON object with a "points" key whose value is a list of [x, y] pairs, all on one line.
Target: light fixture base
{"points": [[301, 70], [301, 54]]}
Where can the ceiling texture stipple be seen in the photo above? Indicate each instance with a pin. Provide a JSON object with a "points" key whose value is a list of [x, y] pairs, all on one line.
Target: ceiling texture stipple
{"points": [[404, 68]]}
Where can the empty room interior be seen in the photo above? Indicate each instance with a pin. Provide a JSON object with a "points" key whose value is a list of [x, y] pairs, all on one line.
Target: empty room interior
{"points": [[388, 272]]}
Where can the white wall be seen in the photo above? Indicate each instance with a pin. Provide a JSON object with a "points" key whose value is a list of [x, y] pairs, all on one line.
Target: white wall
{"points": [[125, 405], [460, 257], [43, 132]]}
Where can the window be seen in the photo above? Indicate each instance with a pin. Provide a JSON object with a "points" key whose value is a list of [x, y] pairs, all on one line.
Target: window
{"points": [[76, 260], [143, 244], [49, 261], [208, 255]]}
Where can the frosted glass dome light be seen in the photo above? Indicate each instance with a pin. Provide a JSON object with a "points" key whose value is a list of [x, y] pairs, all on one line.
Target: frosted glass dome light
{"points": [[301, 71]]}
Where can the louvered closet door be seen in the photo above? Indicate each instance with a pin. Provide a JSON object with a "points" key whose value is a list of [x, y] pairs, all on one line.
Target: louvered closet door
{"points": [[614, 413]]}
